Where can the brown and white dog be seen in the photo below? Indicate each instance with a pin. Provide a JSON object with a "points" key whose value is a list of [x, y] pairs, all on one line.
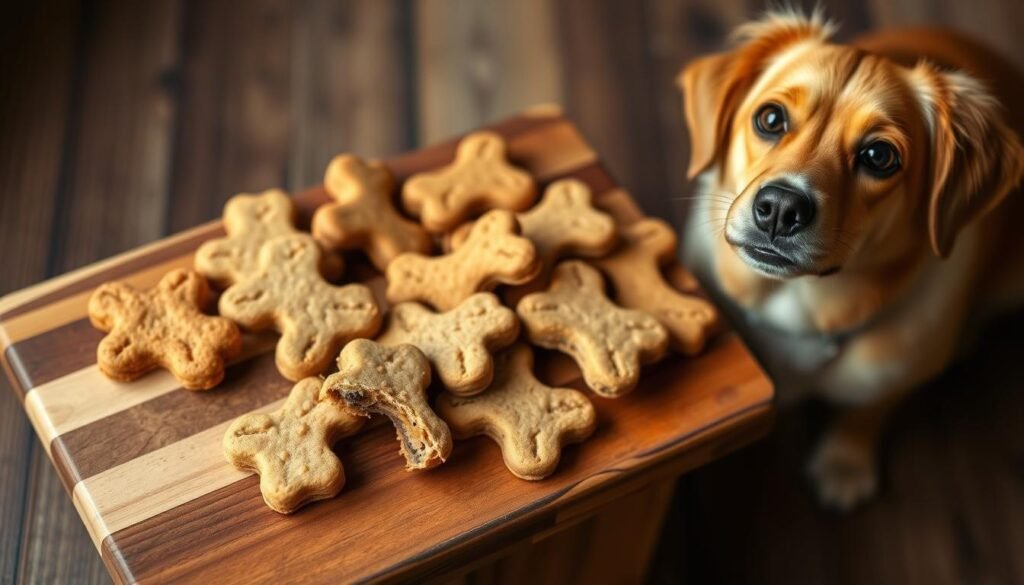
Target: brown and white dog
{"points": [[857, 209]]}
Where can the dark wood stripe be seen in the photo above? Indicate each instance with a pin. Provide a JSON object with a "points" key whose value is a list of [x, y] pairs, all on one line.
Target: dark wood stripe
{"points": [[166, 546], [64, 465], [68, 348], [306, 202], [54, 353], [595, 175], [17, 376], [119, 571], [166, 419]]}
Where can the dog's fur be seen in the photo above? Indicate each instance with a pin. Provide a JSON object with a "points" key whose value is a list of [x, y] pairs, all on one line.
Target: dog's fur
{"points": [[891, 270]]}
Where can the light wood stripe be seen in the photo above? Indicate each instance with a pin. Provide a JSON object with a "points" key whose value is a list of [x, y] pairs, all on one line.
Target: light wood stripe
{"points": [[76, 306], [87, 395], [157, 481]]}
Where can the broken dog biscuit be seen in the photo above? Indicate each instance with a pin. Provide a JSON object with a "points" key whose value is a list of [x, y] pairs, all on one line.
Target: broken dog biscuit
{"points": [[163, 327], [251, 220], [458, 343], [290, 448], [531, 422], [480, 178], [635, 270], [564, 223], [392, 381], [288, 293], [493, 253], [608, 343], [362, 214]]}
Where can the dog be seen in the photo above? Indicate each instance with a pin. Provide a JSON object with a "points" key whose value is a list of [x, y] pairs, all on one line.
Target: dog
{"points": [[855, 213]]}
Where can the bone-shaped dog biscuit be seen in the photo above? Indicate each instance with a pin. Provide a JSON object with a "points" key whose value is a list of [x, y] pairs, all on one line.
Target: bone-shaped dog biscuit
{"points": [[363, 216], [564, 223], [609, 343], [392, 381], [290, 448], [251, 220], [163, 327], [530, 421], [457, 343], [635, 270], [480, 178], [493, 253], [287, 293]]}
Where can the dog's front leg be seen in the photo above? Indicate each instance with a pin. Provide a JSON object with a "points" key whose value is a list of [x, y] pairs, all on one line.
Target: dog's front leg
{"points": [[872, 376], [844, 465]]}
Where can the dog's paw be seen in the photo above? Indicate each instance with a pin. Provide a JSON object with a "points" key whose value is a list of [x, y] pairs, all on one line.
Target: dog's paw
{"points": [[844, 473]]}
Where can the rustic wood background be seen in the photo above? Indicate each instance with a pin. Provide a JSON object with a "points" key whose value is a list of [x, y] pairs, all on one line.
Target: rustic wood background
{"points": [[121, 122]]}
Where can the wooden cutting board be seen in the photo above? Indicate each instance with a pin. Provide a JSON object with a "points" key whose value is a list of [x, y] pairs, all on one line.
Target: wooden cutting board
{"points": [[143, 463]]}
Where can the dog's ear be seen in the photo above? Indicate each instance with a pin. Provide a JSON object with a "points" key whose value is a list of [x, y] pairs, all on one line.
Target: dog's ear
{"points": [[976, 159], [713, 86], [712, 92]]}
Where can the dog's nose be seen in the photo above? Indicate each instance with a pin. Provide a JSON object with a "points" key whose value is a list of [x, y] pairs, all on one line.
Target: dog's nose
{"points": [[782, 211]]}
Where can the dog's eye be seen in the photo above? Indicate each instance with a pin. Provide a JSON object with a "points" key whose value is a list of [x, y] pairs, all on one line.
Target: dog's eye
{"points": [[770, 121], [879, 158]]}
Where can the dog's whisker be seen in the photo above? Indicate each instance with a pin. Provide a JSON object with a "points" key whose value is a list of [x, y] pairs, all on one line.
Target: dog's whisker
{"points": [[710, 197]]}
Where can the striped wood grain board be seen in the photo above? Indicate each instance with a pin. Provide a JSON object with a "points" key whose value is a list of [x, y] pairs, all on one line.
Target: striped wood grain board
{"points": [[143, 465]]}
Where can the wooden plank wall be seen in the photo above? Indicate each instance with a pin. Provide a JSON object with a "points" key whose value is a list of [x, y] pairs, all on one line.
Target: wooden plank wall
{"points": [[124, 121]]}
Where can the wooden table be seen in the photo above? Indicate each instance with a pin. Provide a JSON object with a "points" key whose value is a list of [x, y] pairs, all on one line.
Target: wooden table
{"points": [[143, 462]]}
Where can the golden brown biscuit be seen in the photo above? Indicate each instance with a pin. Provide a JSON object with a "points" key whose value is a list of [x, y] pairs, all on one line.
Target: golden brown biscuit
{"points": [[493, 253], [362, 214], [392, 381], [609, 343], [530, 421], [251, 220], [480, 178], [635, 270], [163, 327], [564, 223], [287, 293], [457, 343], [290, 449]]}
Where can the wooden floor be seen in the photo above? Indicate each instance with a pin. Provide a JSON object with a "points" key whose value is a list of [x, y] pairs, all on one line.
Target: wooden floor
{"points": [[124, 121]]}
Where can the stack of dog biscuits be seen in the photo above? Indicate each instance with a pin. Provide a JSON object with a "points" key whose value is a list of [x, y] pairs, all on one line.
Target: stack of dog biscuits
{"points": [[451, 356]]}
